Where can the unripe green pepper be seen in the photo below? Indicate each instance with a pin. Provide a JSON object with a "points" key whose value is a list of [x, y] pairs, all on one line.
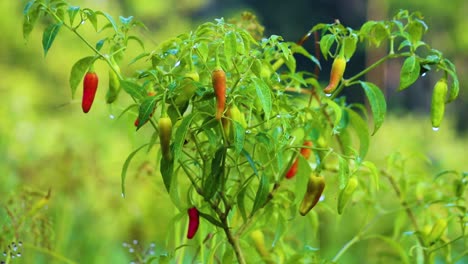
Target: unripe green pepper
{"points": [[165, 132], [236, 115], [315, 187], [259, 242], [346, 194], [337, 71], [114, 87], [438, 102], [187, 89], [437, 230]]}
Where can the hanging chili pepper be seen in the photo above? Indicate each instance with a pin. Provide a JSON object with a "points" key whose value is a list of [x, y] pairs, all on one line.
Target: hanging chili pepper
{"points": [[194, 222], [218, 78], [90, 84]]}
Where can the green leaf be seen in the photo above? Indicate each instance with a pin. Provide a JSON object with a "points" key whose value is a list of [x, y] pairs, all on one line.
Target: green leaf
{"points": [[109, 18], [349, 44], [211, 219], [374, 173], [264, 94], [239, 136], [78, 71], [416, 28], [302, 177], [91, 16], [362, 131], [125, 168], [291, 63], [31, 14], [262, 194], [126, 20], [138, 40], [213, 181], [72, 12], [167, 169], [49, 36], [409, 72], [250, 161], [241, 203], [343, 172], [133, 89], [338, 115], [230, 46], [146, 110], [455, 88], [325, 44], [181, 134], [395, 245], [377, 103]]}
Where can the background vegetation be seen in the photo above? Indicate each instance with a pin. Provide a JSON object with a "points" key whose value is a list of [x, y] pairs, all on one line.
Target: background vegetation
{"points": [[47, 144]]}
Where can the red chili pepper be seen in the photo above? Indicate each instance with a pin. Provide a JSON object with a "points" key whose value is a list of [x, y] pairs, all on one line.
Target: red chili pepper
{"points": [[90, 84], [305, 152], [194, 222], [218, 78]]}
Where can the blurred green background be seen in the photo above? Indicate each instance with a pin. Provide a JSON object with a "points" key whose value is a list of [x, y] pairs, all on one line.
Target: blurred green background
{"points": [[47, 143]]}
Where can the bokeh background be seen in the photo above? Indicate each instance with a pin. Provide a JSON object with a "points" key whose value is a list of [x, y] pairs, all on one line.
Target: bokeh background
{"points": [[47, 143]]}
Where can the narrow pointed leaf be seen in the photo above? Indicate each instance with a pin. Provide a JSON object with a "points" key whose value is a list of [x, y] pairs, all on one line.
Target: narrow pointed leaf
{"points": [[146, 110], [78, 71], [262, 194], [49, 36], [377, 103], [181, 134], [409, 72], [264, 93], [362, 131], [123, 174]]}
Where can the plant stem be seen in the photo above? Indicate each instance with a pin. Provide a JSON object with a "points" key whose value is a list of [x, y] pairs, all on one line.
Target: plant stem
{"points": [[404, 203], [345, 247], [50, 253], [234, 241]]}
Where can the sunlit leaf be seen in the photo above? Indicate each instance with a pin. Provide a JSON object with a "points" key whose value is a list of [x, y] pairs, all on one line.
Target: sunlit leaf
{"points": [[377, 103], [78, 71], [409, 72], [374, 172], [343, 172], [239, 136], [264, 94], [325, 44], [109, 18], [133, 89], [230, 46], [362, 131], [338, 113]]}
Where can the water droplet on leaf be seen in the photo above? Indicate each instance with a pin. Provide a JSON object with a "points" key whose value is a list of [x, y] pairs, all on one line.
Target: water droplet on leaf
{"points": [[435, 128]]}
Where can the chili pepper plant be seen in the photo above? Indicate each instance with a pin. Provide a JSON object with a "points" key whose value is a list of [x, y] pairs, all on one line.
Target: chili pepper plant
{"points": [[231, 114]]}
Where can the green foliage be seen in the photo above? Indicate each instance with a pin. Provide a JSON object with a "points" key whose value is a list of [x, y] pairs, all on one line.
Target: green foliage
{"points": [[238, 183]]}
